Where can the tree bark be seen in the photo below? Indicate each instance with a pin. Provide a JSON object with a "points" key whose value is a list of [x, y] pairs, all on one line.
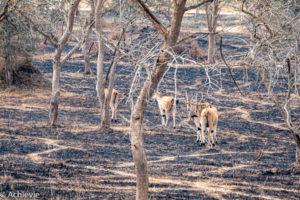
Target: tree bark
{"points": [[86, 56], [137, 129], [86, 45], [8, 71], [101, 80], [211, 18], [211, 48], [54, 101], [297, 140], [112, 75], [7, 51], [100, 60], [100, 75]]}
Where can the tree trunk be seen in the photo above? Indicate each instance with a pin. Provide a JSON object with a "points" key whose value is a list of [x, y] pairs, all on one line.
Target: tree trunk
{"points": [[54, 102], [105, 115], [8, 71], [211, 48], [8, 55], [139, 156], [298, 151], [105, 120], [86, 45], [297, 140], [211, 10], [100, 76], [86, 56], [137, 129]]}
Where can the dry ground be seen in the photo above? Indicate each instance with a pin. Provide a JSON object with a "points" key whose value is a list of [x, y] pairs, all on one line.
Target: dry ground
{"points": [[79, 161]]}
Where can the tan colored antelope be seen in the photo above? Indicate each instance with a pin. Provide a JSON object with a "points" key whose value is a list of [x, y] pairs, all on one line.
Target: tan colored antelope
{"points": [[165, 104], [204, 116], [114, 101]]}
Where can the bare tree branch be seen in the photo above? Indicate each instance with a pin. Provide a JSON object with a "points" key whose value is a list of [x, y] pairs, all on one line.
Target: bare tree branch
{"points": [[230, 71], [72, 51], [246, 11], [5, 11], [49, 36], [75, 48], [197, 5], [70, 22], [156, 23]]}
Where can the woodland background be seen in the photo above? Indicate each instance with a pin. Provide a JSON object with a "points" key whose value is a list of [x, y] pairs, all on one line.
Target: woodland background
{"points": [[56, 137]]}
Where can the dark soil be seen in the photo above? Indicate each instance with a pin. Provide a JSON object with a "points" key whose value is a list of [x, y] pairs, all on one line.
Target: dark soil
{"points": [[77, 160]]}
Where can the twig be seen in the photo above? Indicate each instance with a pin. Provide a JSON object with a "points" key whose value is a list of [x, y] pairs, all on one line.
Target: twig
{"points": [[222, 56], [50, 37], [5, 11]]}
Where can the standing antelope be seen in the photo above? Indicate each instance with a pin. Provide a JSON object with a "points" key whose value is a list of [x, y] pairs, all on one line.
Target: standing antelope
{"points": [[114, 100], [165, 104], [204, 116]]}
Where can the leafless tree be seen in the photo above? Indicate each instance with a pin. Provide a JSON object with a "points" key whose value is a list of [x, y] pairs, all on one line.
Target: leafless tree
{"points": [[274, 32], [101, 78], [99, 6], [59, 45], [49, 29], [170, 37]]}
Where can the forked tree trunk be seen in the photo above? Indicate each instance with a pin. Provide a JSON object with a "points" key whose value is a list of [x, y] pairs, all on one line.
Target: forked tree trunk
{"points": [[54, 101], [105, 123], [137, 128], [100, 60], [104, 102]]}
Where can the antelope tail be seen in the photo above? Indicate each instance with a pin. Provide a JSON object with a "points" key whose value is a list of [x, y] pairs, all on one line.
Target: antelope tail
{"points": [[207, 120]]}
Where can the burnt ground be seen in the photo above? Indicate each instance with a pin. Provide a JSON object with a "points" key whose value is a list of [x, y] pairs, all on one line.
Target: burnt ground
{"points": [[79, 161]]}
